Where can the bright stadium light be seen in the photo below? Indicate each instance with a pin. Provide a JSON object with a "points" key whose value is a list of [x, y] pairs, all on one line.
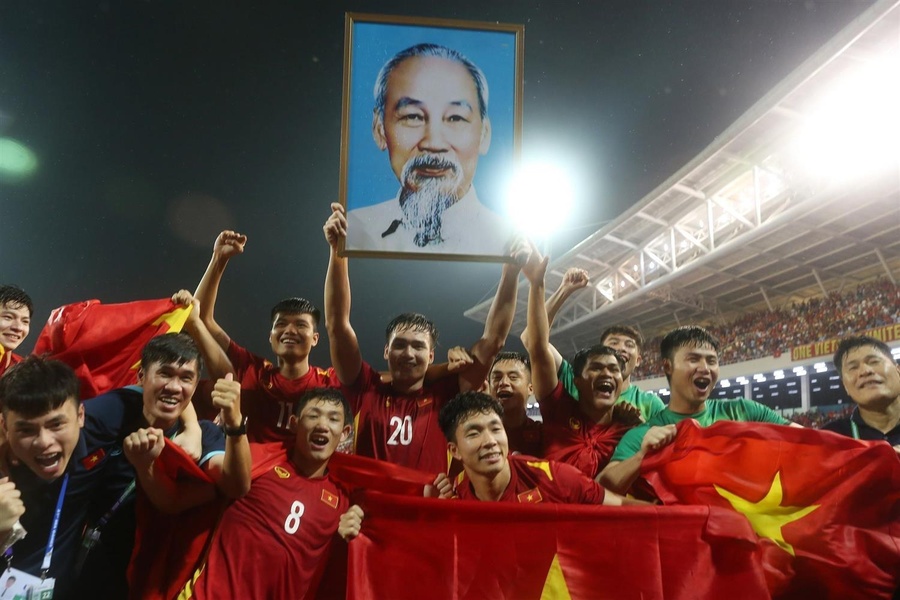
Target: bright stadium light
{"points": [[820, 367], [539, 198], [725, 383], [779, 374], [854, 130], [17, 161]]}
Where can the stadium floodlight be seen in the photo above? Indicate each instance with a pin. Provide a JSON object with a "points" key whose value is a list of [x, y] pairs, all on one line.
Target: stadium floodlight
{"points": [[759, 377], [17, 161], [854, 130], [895, 352], [820, 367], [539, 198], [779, 374], [799, 371], [725, 383]]}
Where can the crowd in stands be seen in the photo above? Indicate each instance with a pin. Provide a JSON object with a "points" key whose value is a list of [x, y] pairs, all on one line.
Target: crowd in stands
{"points": [[816, 418], [772, 333]]}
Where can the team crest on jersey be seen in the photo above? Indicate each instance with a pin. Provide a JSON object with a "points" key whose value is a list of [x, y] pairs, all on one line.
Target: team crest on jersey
{"points": [[329, 499], [282, 473], [423, 402], [574, 423], [93, 459], [322, 372], [532, 496]]}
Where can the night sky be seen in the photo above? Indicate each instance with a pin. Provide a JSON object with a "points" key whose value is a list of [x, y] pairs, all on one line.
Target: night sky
{"points": [[157, 124]]}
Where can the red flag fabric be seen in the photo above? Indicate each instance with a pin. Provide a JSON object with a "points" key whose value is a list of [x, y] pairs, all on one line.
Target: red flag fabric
{"points": [[355, 472], [826, 507], [449, 549], [168, 549], [103, 342]]}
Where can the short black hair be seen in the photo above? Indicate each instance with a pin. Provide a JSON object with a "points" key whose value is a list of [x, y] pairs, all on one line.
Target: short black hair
{"points": [[169, 348], [414, 322], [687, 335], [296, 306], [36, 386], [856, 341], [461, 407], [585, 354], [324, 394], [626, 330], [513, 356], [13, 294]]}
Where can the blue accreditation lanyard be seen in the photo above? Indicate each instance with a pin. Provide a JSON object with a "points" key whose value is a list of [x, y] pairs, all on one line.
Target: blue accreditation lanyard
{"points": [[45, 566]]}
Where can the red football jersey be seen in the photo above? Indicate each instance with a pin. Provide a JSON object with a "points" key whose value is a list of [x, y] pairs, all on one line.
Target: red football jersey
{"points": [[275, 541], [7, 361], [533, 481], [267, 397], [400, 428], [570, 438], [527, 438]]}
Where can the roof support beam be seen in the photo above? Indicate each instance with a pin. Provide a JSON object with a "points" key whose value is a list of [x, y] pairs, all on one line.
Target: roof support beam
{"points": [[884, 264], [819, 281]]}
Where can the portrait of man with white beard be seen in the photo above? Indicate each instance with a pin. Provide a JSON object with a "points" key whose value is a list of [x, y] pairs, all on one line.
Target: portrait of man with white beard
{"points": [[431, 116]]}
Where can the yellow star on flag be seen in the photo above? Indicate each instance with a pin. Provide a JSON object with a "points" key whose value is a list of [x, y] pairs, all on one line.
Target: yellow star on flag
{"points": [[555, 587], [175, 318], [767, 516]]}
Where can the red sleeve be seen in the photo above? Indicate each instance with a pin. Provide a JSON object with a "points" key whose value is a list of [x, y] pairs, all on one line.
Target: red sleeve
{"points": [[357, 392], [241, 359], [551, 405], [575, 486]]}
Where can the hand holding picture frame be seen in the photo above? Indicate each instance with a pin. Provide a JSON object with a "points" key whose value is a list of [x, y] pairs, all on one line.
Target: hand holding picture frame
{"points": [[431, 132]]}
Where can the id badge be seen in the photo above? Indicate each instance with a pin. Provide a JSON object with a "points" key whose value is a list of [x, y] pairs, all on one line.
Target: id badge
{"points": [[44, 589], [25, 586]]}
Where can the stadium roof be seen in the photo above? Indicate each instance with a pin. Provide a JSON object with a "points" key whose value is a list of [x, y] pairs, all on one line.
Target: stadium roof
{"points": [[743, 226]]}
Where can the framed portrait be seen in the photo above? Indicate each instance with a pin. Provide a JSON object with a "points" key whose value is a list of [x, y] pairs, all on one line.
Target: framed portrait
{"points": [[430, 136]]}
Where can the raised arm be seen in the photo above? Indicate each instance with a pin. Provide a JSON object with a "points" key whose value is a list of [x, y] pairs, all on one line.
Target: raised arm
{"points": [[231, 472], [217, 362], [543, 364], [498, 323], [574, 280], [228, 244], [345, 355]]}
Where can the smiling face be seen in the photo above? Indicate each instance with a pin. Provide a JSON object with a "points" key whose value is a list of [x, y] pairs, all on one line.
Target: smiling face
{"points": [[15, 323], [510, 384], [45, 444], [408, 354], [871, 379], [293, 335], [481, 445], [693, 373], [168, 387], [599, 384], [318, 430], [627, 348], [432, 126]]}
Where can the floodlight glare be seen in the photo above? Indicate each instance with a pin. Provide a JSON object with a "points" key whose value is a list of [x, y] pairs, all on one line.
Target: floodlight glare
{"points": [[539, 198], [855, 130], [17, 161]]}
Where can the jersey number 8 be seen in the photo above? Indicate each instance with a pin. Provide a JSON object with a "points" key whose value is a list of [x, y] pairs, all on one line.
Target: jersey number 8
{"points": [[292, 523]]}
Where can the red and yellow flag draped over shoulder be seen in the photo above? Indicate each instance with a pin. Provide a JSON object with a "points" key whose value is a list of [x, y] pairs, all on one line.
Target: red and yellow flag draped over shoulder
{"points": [[825, 508], [103, 342]]}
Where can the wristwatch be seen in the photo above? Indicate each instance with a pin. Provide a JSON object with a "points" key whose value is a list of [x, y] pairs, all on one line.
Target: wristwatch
{"points": [[237, 431]]}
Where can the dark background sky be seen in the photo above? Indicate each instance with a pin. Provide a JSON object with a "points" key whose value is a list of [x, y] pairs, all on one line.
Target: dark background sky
{"points": [[157, 124]]}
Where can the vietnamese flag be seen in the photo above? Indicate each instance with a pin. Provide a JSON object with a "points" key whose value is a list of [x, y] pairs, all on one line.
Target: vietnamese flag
{"points": [[361, 472], [168, 549], [456, 550], [103, 342], [826, 508]]}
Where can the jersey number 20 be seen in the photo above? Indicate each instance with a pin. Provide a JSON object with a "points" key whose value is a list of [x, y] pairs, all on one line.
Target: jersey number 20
{"points": [[402, 435]]}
